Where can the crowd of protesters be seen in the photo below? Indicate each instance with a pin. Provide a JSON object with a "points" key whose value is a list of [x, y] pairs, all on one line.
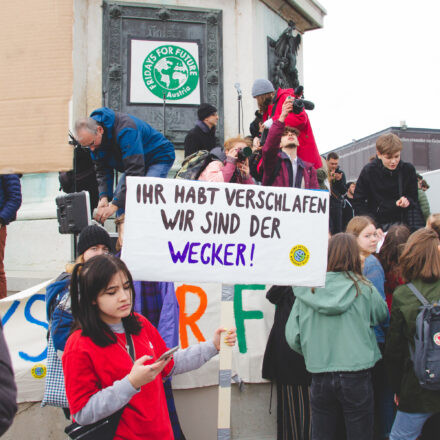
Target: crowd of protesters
{"points": [[340, 355]]}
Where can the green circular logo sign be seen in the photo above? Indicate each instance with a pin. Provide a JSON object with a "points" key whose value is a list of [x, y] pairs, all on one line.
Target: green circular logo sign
{"points": [[171, 71]]}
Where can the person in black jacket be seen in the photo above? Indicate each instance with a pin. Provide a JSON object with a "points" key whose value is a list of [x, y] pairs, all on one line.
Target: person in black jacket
{"points": [[338, 188], [8, 389], [387, 186], [202, 136], [287, 368]]}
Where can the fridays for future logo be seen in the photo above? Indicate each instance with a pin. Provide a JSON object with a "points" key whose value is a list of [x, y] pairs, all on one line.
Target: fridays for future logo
{"points": [[171, 71]]}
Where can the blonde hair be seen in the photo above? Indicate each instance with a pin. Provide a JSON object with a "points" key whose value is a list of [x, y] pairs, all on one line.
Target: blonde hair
{"points": [[433, 223], [118, 223], [232, 142], [420, 260], [70, 266], [388, 144], [357, 224]]}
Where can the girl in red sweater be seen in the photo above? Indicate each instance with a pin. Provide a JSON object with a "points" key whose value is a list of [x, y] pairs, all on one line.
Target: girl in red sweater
{"points": [[101, 377]]}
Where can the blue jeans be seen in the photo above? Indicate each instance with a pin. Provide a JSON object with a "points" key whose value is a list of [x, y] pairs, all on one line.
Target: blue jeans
{"points": [[155, 170], [350, 391], [408, 426]]}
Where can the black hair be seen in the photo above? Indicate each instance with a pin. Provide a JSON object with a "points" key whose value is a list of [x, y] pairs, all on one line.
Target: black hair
{"points": [[332, 155], [88, 280]]}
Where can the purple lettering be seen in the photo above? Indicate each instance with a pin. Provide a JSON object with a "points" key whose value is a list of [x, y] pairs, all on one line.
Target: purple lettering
{"points": [[202, 254], [192, 252], [228, 254], [215, 252], [240, 250], [178, 256]]}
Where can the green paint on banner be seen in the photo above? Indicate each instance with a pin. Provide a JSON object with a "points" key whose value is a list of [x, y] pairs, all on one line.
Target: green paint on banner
{"points": [[241, 315]]}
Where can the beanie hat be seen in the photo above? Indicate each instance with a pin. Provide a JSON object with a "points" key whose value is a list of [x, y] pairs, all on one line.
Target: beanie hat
{"points": [[205, 110], [91, 236], [262, 86]]}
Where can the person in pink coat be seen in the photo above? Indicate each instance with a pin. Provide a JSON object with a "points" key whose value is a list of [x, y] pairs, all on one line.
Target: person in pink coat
{"points": [[226, 167]]}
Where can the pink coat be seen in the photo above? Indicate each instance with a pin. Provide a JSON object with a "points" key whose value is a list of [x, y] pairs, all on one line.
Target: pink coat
{"points": [[217, 172]]}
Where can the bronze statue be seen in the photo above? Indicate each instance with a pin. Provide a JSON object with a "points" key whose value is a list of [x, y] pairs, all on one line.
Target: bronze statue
{"points": [[285, 73]]}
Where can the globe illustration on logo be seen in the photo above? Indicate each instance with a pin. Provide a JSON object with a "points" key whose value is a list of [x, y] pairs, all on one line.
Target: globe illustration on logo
{"points": [[170, 72], [299, 255]]}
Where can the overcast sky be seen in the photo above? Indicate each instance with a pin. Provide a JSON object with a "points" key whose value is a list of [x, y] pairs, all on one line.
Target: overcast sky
{"points": [[374, 63]]}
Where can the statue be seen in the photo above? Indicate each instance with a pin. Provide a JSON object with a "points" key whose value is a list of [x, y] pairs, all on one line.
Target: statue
{"points": [[284, 72]]}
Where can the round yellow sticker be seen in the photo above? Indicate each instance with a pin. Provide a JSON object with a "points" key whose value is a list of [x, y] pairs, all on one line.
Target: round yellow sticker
{"points": [[39, 371], [299, 255]]}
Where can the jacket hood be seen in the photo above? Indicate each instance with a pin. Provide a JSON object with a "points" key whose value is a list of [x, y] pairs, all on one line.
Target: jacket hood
{"points": [[105, 116], [333, 299], [53, 290], [284, 92], [218, 153]]}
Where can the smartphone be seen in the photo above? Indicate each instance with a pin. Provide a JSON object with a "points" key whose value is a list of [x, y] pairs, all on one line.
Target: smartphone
{"points": [[168, 353]]}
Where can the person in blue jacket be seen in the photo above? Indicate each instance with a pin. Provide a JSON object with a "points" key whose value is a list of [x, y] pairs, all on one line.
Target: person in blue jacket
{"points": [[10, 202], [364, 229], [122, 142]]}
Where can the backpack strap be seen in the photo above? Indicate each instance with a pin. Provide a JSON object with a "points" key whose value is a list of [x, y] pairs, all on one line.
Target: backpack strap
{"points": [[417, 293]]}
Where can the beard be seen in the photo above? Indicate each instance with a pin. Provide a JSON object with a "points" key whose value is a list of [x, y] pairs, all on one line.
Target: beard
{"points": [[290, 146]]}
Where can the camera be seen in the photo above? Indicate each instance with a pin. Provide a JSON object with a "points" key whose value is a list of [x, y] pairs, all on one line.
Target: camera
{"points": [[300, 104], [243, 154]]}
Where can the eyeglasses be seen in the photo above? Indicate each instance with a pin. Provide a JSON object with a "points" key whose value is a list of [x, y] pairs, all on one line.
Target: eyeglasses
{"points": [[88, 147]]}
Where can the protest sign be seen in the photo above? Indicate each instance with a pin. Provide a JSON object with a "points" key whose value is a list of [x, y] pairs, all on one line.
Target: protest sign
{"points": [[24, 322], [228, 233], [25, 328]]}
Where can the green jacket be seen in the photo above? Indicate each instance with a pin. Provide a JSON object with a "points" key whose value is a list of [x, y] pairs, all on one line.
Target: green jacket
{"points": [[424, 204], [333, 327], [412, 397]]}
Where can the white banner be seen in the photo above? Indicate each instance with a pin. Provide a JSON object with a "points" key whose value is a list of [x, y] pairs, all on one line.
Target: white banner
{"points": [[164, 69], [178, 230], [25, 328], [24, 322]]}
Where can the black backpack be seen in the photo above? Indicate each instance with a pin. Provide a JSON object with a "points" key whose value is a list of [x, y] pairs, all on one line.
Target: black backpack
{"points": [[426, 353]]}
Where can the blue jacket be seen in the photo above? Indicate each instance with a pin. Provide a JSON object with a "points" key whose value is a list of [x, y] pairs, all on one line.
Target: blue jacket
{"points": [[129, 146], [373, 272], [60, 319], [10, 197]]}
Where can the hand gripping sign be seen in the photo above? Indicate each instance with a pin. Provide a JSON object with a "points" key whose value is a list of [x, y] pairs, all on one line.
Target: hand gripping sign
{"points": [[228, 233]]}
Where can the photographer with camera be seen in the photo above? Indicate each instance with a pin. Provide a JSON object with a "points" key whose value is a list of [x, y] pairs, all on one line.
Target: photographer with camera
{"points": [[270, 104], [338, 187], [281, 166], [229, 165]]}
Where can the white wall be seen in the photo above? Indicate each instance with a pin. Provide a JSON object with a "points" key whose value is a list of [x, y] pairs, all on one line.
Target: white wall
{"points": [[433, 179]]}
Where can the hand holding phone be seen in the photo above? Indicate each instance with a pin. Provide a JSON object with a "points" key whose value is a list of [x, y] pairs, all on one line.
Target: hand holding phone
{"points": [[168, 353]]}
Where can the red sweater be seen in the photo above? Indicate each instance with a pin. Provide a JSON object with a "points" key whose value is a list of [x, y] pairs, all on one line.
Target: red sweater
{"points": [[89, 368]]}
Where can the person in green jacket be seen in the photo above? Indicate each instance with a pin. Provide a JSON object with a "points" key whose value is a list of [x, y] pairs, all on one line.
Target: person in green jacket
{"points": [[420, 265], [423, 199], [332, 327]]}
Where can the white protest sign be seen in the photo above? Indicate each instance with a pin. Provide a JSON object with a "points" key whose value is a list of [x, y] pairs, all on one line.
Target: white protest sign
{"points": [[23, 317], [178, 230]]}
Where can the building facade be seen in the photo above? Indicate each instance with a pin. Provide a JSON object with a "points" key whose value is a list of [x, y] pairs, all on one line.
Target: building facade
{"points": [[421, 147]]}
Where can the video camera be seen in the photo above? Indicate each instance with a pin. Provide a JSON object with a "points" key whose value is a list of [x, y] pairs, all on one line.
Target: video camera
{"points": [[300, 104]]}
